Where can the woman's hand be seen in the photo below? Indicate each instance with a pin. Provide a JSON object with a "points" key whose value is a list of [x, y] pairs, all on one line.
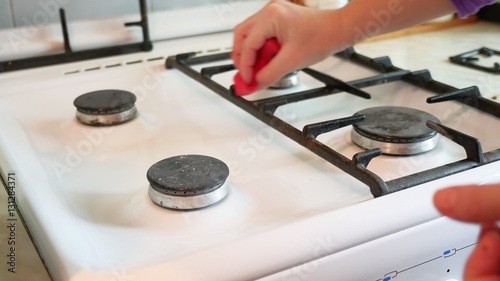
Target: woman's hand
{"points": [[479, 204], [306, 36]]}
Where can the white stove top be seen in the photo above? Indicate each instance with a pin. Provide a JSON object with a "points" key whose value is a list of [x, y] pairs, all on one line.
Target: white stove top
{"points": [[83, 190]]}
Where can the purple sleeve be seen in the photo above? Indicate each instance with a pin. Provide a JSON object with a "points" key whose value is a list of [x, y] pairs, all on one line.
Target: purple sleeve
{"points": [[466, 8]]}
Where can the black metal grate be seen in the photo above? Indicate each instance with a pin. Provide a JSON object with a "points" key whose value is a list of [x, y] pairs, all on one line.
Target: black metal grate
{"points": [[264, 110], [470, 59], [70, 56]]}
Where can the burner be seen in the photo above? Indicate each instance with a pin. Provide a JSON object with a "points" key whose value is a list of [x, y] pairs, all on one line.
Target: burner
{"points": [[106, 107], [395, 130], [188, 182], [289, 80]]}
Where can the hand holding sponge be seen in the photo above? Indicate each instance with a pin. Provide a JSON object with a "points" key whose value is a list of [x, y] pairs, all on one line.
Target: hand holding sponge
{"points": [[264, 56]]}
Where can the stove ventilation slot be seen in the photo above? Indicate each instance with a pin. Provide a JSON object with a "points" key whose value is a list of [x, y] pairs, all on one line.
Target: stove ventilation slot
{"points": [[114, 65], [214, 50]]}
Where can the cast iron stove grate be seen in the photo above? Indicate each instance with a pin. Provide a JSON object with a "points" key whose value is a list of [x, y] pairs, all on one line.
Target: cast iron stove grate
{"points": [[471, 59], [264, 110], [72, 56]]}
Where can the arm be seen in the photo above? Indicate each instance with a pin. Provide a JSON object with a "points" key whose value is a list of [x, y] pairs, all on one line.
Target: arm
{"points": [[382, 16], [309, 35]]}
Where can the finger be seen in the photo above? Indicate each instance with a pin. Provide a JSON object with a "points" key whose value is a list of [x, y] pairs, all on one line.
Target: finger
{"points": [[470, 203], [240, 33], [248, 55], [249, 37], [484, 262], [264, 28], [488, 227], [237, 41]]}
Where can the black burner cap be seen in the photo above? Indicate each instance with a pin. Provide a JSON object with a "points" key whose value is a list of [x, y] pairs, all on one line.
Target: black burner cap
{"points": [[395, 124], [105, 102], [187, 175]]}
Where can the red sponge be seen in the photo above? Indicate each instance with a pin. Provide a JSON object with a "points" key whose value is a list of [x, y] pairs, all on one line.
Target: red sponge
{"points": [[264, 55]]}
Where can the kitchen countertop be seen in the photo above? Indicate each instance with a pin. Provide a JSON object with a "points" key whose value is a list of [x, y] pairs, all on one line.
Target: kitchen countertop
{"points": [[28, 263]]}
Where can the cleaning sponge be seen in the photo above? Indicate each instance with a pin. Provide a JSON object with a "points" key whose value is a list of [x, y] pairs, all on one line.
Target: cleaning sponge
{"points": [[264, 55]]}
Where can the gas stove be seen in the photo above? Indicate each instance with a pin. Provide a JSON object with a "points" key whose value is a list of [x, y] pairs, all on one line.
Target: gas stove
{"points": [[295, 198]]}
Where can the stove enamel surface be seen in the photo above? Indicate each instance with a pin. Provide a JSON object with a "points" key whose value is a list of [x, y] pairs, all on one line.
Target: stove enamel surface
{"points": [[84, 193]]}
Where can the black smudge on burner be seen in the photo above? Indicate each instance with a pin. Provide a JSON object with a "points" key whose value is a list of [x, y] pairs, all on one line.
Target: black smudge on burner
{"points": [[395, 124], [187, 175], [105, 102], [105, 107]]}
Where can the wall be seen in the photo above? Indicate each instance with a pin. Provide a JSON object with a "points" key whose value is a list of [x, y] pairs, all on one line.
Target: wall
{"points": [[16, 13]]}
